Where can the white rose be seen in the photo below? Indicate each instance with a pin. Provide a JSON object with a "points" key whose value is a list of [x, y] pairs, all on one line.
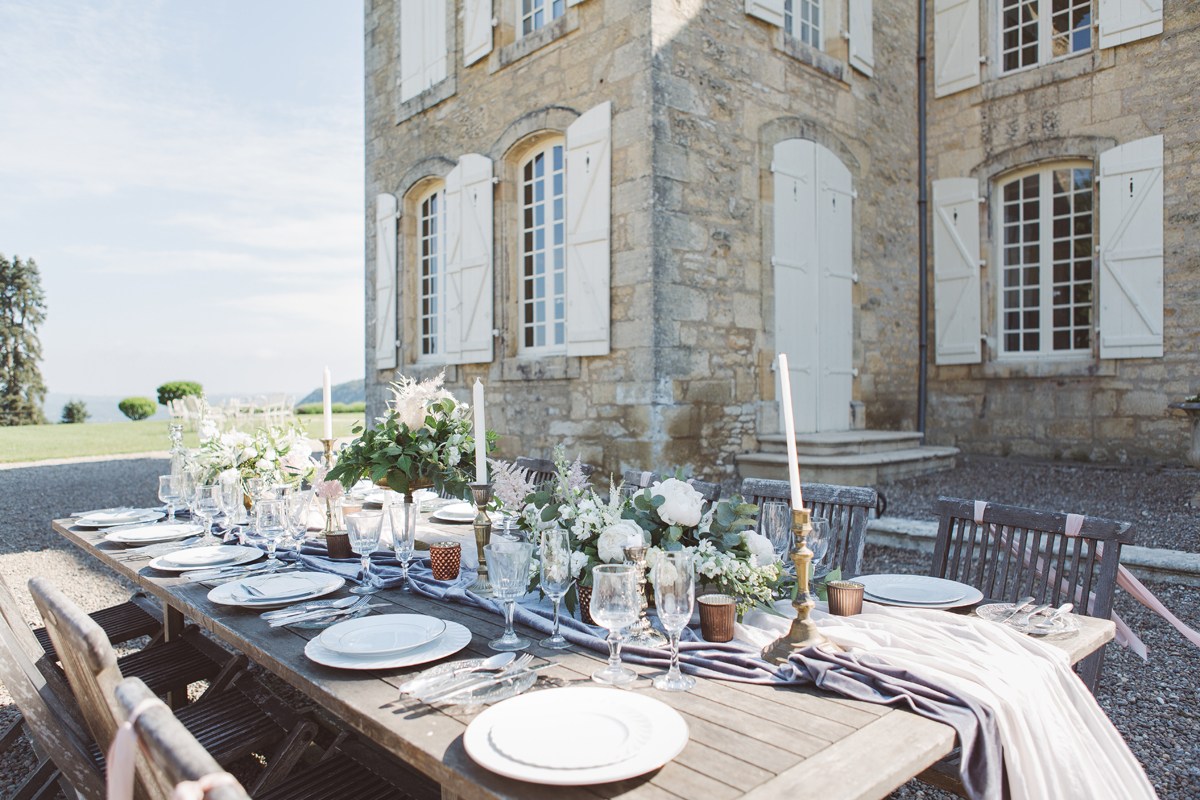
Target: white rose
{"points": [[682, 505], [761, 551], [616, 537]]}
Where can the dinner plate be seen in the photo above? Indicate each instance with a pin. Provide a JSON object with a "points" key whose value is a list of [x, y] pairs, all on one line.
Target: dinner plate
{"points": [[154, 534], [278, 589], [454, 639], [599, 720], [918, 591], [455, 512], [112, 519], [1002, 612], [382, 635], [218, 555]]}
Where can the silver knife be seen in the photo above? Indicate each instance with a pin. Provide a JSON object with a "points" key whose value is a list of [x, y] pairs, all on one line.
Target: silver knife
{"points": [[321, 613], [483, 683]]}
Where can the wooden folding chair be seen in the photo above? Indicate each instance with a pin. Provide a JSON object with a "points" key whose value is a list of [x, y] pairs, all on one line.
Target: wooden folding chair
{"points": [[542, 470], [232, 723], [1013, 552], [846, 508], [172, 755], [642, 479]]}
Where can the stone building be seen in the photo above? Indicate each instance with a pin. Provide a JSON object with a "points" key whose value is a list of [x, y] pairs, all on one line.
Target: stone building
{"points": [[616, 212]]}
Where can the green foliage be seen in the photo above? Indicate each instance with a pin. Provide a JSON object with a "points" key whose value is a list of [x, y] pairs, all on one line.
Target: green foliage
{"points": [[137, 408], [75, 411], [336, 408], [174, 390], [22, 310]]}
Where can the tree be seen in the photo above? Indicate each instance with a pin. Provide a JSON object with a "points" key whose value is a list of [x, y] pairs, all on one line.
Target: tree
{"points": [[175, 390], [137, 408], [22, 310], [74, 411]]}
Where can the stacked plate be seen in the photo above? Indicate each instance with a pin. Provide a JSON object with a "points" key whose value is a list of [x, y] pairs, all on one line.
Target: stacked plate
{"points": [[154, 534], [918, 591], [612, 736], [112, 517], [455, 512], [275, 589], [209, 556], [1039, 625], [387, 641]]}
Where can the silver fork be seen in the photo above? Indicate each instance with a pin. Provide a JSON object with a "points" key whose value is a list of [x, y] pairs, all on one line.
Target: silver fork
{"points": [[512, 669]]}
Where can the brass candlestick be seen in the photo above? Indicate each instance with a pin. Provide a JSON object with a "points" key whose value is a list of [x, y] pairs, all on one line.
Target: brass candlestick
{"points": [[641, 633], [482, 493], [327, 460], [803, 632]]}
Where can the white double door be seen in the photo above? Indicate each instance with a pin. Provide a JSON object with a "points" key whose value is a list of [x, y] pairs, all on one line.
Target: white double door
{"points": [[814, 271]]}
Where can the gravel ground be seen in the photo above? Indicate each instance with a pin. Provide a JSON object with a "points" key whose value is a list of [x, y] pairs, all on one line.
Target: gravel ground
{"points": [[1155, 705]]}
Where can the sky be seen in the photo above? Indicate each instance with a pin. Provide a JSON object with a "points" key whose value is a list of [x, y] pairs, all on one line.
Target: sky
{"points": [[188, 177]]}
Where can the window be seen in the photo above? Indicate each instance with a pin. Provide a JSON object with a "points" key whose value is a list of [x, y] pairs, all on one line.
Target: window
{"points": [[806, 27], [431, 254], [1047, 246], [1037, 31], [543, 250], [535, 14]]}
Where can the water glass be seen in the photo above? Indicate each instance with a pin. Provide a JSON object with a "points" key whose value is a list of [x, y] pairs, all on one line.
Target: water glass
{"points": [[233, 504], [674, 579], [508, 571], [775, 523], [556, 578], [403, 517], [168, 492], [819, 543], [270, 527], [363, 529], [206, 502], [615, 605]]}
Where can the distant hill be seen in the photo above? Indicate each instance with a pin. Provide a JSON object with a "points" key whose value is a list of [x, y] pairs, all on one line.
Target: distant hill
{"points": [[348, 392]]}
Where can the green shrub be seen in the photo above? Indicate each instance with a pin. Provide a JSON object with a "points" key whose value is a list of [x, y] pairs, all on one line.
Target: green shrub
{"points": [[174, 390], [337, 408], [137, 407], [75, 411]]}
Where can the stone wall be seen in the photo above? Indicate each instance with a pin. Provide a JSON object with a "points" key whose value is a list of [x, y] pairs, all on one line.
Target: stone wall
{"points": [[1105, 410]]}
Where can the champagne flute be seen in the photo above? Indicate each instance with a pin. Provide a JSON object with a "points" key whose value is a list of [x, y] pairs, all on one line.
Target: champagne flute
{"points": [[674, 579], [168, 492], [615, 606], [556, 578], [404, 533], [364, 529], [508, 571]]}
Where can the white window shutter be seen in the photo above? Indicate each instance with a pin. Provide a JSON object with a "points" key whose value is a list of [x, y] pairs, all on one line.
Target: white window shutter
{"points": [[767, 10], [955, 46], [1131, 250], [1123, 21], [385, 281], [956, 298], [434, 56], [452, 300], [862, 36], [477, 30], [412, 48], [589, 171], [471, 257]]}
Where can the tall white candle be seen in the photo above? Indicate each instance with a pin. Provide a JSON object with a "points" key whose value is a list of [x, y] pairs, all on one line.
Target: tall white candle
{"points": [[789, 431], [480, 433], [326, 395]]}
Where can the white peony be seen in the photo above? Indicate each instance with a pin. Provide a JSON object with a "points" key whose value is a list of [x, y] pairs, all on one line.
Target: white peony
{"points": [[613, 540], [682, 504], [579, 560], [761, 551]]}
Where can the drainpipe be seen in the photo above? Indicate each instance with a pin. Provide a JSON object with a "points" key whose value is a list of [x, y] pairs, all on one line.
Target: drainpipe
{"points": [[922, 225]]}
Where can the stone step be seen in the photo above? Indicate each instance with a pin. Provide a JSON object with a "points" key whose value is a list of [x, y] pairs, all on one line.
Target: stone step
{"points": [[856, 469], [836, 443]]}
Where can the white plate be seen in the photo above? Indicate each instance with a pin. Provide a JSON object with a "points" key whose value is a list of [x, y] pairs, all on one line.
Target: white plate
{"points": [[280, 589], [454, 639], [455, 512], [383, 635], [105, 519], [154, 534], [1002, 612], [918, 591], [569, 710], [601, 735], [218, 555]]}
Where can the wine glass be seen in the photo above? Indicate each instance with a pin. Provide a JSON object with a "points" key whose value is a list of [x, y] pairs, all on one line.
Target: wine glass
{"points": [[364, 529], [615, 606], [298, 505], [233, 503], [818, 542], [185, 488], [205, 504], [254, 491], [674, 580], [556, 578], [270, 527], [168, 492], [508, 571], [775, 523], [404, 533]]}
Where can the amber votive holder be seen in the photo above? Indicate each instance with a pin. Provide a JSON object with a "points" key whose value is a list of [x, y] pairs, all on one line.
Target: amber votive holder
{"points": [[845, 598], [338, 545], [445, 559], [718, 612]]}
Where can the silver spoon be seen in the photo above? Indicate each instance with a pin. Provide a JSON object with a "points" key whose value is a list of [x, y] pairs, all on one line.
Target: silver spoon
{"points": [[490, 664], [304, 608], [1018, 607], [1049, 621]]}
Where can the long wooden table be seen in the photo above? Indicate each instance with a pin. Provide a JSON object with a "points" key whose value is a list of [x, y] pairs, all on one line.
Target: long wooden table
{"points": [[746, 740]]}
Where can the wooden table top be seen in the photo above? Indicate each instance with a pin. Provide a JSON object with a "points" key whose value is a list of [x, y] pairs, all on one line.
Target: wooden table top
{"points": [[746, 740]]}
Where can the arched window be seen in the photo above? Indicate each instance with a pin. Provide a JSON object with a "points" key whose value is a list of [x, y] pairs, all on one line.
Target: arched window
{"points": [[543, 249], [431, 261]]}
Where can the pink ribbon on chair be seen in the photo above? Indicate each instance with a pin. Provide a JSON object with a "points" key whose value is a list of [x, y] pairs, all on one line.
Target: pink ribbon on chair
{"points": [[123, 752], [199, 788]]}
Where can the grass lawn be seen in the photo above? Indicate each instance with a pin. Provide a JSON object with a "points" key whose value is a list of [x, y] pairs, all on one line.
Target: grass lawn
{"points": [[41, 442]]}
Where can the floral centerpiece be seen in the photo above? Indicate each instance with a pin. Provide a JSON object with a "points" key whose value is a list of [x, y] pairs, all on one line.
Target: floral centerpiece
{"points": [[423, 440], [277, 455]]}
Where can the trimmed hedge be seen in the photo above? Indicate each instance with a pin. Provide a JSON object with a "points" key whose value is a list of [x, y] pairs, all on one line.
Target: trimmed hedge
{"points": [[337, 408], [173, 390], [137, 408]]}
